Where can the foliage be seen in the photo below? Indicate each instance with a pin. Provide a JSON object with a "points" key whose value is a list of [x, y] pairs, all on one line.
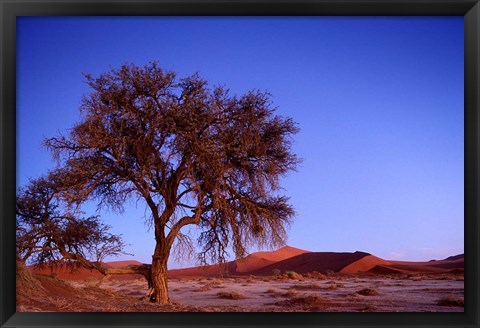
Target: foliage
{"points": [[194, 155], [49, 232]]}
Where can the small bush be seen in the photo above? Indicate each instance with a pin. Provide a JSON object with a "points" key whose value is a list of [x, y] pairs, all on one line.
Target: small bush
{"points": [[368, 292], [271, 291], [451, 301], [306, 300], [276, 272], [92, 282], [315, 275], [203, 288], [306, 287], [290, 293], [230, 295], [60, 303], [335, 285], [293, 275], [303, 301], [332, 287], [369, 308]]}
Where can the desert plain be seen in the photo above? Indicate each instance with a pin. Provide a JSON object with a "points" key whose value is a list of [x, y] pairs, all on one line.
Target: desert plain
{"points": [[285, 280]]}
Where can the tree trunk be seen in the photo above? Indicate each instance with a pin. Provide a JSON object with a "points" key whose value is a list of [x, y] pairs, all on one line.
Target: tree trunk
{"points": [[159, 282]]}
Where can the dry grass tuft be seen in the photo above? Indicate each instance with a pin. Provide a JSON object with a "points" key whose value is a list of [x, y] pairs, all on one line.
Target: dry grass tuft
{"points": [[293, 275], [60, 303], [230, 295], [451, 301], [92, 282], [312, 286], [290, 293], [25, 279], [368, 292], [369, 308], [203, 288], [315, 275], [305, 301], [334, 285]]}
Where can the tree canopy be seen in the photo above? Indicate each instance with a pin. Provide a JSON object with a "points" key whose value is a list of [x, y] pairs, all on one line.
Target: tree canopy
{"points": [[194, 155], [48, 232]]}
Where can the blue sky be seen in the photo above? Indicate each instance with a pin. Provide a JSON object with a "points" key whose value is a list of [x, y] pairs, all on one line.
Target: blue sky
{"points": [[379, 102]]}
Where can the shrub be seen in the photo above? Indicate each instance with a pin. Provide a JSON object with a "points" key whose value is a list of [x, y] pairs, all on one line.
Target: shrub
{"points": [[290, 293], [203, 288], [306, 287], [60, 303], [451, 301], [303, 301], [306, 300], [316, 275], [369, 308], [230, 295], [368, 292], [276, 272], [293, 275], [332, 287]]}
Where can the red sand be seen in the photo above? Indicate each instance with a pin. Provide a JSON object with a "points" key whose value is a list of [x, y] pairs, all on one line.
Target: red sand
{"points": [[66, 273], [364, 264], [246, 265], [284, 259], [259, 260], [315, 261]]}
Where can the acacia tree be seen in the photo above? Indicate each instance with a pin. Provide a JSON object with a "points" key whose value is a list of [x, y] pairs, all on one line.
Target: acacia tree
{"points": [[194, 155], [47, 232]]}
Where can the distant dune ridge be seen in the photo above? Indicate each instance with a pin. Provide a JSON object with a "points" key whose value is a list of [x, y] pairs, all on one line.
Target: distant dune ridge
{"points": [[366, 263], [314, 261], [247, 265], [287, 259], [81, 273]]}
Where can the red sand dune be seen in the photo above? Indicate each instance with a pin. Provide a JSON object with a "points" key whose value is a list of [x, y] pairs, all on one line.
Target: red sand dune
{"points": [[455, 257], [118, 264], [246, 265], [378, 269], [365, 264], [66, 273], [203, 271], [284, 259], [446, 265], [314, 261], [259, 260]]}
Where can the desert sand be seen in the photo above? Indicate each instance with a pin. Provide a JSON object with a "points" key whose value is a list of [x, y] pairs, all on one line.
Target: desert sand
{"points": [[285, 280]]}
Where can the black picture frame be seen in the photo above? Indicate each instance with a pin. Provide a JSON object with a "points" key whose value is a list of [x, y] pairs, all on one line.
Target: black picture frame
{"points": [[11, 9]]}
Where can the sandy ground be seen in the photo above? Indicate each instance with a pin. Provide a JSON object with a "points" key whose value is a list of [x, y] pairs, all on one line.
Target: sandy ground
{"points": [[333, 294]]}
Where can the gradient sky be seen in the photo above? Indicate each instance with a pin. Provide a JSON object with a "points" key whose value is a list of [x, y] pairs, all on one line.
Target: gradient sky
{"points": [[379, 102]]}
